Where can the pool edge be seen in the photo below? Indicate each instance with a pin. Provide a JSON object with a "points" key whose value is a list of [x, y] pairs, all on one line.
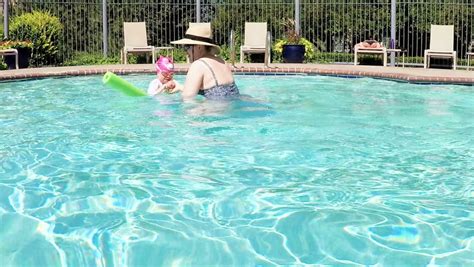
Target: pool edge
{"points": [[410, 75]]}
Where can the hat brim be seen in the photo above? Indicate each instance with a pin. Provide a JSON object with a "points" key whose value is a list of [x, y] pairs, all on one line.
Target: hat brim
{"points": [[186, 41]]}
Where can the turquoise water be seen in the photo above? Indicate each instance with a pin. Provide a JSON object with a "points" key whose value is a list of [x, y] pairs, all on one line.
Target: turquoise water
{"points": [[304, 170]]}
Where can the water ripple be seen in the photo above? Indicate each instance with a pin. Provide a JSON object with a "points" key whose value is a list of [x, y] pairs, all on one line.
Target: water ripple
{"points": [[337, 172]]}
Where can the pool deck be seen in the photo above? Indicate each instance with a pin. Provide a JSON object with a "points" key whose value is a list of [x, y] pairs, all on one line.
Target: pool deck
{"points": [[415, 75]]}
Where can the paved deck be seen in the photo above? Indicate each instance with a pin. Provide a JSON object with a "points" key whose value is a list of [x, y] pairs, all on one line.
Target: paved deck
{"points": [[418, 75]]}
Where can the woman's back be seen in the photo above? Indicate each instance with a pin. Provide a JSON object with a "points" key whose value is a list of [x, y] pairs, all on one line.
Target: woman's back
{"points": [[215, 72]]}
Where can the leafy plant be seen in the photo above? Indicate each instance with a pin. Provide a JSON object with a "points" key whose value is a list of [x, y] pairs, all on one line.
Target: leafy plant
{"points": [[84, 58], [291, 37], [3, 66], [16, 44], [43, 30], [179, 55]]}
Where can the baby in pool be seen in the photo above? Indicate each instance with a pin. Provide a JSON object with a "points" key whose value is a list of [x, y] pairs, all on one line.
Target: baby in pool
{"points": [[164, 81]]}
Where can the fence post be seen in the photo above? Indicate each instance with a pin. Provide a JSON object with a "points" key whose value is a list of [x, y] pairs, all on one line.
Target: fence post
{"points": [[198, 11], [5, 19], [105, 38], [393, 30], [297, 17]]}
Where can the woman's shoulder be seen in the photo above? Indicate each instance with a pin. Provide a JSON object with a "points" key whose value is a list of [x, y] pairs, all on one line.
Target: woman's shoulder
{"points": [[212, 60]]}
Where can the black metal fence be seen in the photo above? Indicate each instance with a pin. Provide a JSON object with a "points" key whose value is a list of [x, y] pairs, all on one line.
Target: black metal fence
{"points": [[333, 26], [1, 18]]}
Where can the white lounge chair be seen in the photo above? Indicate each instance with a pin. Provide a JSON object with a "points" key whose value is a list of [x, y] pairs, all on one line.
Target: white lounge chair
{"points": [[10, 52], [135, 41], [441, 44], [365, 50], [255, 40], [469, 54]]}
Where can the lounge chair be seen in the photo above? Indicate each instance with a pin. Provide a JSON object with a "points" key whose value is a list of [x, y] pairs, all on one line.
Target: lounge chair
{"points": [[135, 41], [360, 49], [441, 44], [469, 54], [255, 40], [10, 52]]}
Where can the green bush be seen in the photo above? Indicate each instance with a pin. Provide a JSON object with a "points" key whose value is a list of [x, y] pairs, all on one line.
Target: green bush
{"points": [[332, 57], [3, 66], [84, 58], [44, 30], [179, 55]]}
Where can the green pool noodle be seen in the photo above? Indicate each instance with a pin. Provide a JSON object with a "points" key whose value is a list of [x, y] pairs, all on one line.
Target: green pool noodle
{"points": [[117, 83]]}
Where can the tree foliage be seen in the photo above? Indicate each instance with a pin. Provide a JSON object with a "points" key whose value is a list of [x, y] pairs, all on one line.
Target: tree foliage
{"points": [[331, 25], [43, 30]]}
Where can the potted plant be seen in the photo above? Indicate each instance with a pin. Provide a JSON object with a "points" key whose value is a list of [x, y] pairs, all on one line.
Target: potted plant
{"points": [[293, 48], [24, 53]]}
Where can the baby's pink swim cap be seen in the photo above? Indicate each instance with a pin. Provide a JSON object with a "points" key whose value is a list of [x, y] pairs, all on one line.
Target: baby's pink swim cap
{"points": [[164, 64]]}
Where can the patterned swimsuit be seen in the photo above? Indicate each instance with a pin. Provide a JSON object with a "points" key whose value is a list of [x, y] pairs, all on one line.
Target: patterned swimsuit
{"points": [[219, 91]]}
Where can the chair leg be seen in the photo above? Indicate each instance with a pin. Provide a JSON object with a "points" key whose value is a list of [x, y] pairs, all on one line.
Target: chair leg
{"points": [[16, 59], [355, 58], [468, 61], [454, 61], [241, 56], [385, 59], [125, 56], [153, 55], [425, 61]]}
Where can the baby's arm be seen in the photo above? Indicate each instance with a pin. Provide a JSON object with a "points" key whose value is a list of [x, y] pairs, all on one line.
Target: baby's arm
{"points": [[173, 87]]}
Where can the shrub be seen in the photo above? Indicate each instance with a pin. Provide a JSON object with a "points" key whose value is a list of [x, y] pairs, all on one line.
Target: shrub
{"points": [[332, 57], [16, 44], [179, 55], [3, 66], [84, 58], [291, 37], [43, 30]]}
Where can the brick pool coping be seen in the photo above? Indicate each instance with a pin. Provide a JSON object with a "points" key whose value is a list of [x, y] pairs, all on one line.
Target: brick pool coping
{"points": [[414, 75]]}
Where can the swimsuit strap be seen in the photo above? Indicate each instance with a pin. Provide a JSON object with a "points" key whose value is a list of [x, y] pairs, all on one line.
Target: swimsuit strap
{"points": [[209, 67]]}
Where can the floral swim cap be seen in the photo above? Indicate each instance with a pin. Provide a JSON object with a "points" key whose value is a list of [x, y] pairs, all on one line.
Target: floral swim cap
{"points": [[164, 64]]}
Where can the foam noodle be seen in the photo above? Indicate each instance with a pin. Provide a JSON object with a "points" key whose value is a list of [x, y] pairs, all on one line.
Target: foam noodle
{"points": [[114, 81]]}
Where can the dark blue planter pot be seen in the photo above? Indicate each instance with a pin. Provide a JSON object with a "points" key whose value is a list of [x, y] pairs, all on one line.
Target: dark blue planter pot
{"points": [[293, 53]]}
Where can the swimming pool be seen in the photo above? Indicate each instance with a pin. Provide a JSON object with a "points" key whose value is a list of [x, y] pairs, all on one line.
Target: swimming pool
{"points": [[304, 170]]}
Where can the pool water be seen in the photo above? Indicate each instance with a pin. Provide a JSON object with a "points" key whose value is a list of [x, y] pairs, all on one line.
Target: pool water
{"points": [[302, 170]]}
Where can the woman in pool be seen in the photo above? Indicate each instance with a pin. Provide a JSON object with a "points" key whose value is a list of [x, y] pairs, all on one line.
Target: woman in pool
{"points": [[208, 75]]}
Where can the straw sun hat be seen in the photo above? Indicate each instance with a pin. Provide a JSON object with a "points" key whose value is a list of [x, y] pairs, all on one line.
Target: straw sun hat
{"points": [[197, 35]]}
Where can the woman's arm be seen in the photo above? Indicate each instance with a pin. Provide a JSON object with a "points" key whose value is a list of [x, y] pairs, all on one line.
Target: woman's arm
{"points": [[193, 82]]}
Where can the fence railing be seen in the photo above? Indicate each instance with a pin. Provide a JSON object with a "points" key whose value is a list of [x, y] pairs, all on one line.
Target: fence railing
{"points": [[333, 26], [2, 18]]}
